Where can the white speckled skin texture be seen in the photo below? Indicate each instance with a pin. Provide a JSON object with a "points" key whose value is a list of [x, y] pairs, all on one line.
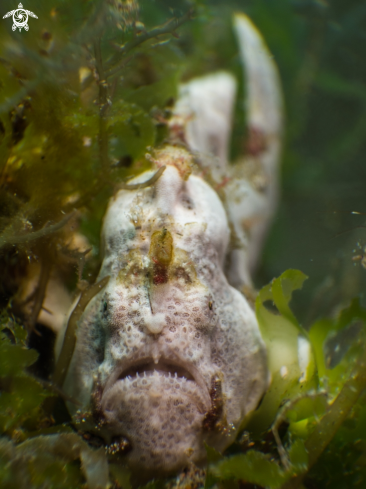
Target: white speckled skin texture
{"points": [[157, 346], [171, 351]]}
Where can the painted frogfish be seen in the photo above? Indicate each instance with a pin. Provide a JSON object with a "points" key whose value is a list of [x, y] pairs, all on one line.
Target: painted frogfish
{"points": [[169, 354]]}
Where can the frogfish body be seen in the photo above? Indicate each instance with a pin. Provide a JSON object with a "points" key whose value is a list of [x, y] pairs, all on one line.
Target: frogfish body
{"points": [[169, 353]]}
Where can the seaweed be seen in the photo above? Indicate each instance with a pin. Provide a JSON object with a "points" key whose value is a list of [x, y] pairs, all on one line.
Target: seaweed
{"points": [[69, 342], [313, 407], [20, 394]]}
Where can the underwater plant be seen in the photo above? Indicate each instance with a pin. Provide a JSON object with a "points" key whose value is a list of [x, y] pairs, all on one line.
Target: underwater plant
{"points": [[92, 86]]}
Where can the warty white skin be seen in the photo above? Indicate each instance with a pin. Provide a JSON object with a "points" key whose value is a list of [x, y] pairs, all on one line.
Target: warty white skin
{"points": [[251, 186], [195, 323]]}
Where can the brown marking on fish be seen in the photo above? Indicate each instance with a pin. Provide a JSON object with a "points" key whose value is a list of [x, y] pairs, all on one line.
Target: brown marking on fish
{"points": [[161, 252], [217, 405], [256, 142]]}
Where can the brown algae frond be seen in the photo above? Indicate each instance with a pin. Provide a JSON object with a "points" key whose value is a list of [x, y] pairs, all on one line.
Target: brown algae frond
{"points": [[68, 345]]}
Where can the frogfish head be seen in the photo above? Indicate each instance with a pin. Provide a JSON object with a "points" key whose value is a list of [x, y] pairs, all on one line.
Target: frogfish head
{"points": [[172, 352]]}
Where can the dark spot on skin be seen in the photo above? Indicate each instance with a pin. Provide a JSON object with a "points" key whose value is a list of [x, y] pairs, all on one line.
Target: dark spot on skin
{"points": [[210, 305], [181, 273], [187, 202], [112, 242], [217, 405]]}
